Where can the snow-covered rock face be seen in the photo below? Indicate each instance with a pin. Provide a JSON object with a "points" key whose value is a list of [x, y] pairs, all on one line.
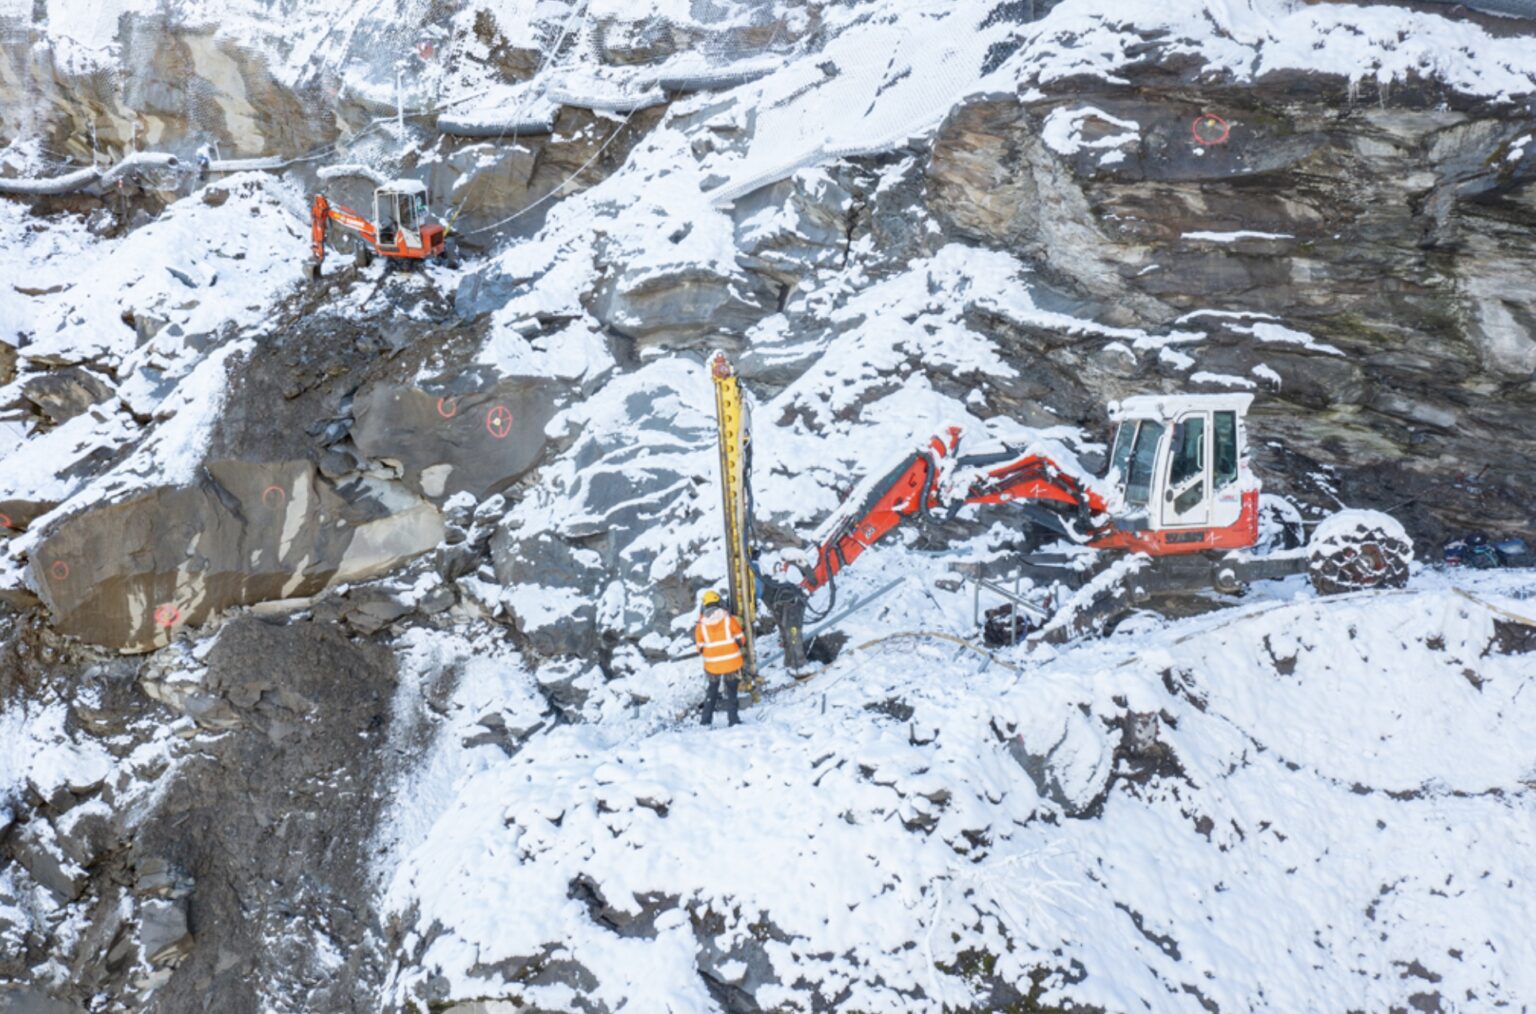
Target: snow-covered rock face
{"points": [[448, 761], [1289, 255]]}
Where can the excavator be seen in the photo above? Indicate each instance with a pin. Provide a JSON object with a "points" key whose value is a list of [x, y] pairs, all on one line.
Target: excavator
{"points": [[399, 229], [1177, 513]]}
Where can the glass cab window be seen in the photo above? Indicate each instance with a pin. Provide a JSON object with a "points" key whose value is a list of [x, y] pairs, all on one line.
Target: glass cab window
{"points": [[400, 211], [410, 212], [1186, 468], [1225, 433], [1138, 483], [1120, 457], [1188, 450]]}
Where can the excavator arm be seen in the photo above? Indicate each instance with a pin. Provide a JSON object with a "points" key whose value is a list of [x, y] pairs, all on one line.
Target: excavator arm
{"points": [[322, 213], [871, 512], [925, 484]]}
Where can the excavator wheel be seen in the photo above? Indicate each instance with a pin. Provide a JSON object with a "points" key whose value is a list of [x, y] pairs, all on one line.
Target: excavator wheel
{"points": [[1359, 550], [364, 256]]}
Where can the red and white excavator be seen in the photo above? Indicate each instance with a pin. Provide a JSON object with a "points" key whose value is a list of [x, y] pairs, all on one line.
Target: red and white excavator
{"points": [[399, 230], [1177, 513], [1178, 483]]}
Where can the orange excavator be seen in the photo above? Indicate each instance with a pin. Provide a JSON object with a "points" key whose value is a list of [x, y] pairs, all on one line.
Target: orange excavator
{"points": [[399, 229]]}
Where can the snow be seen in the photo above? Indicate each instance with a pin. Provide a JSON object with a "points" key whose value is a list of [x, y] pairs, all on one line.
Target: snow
{"points": [[171, 455], [1248, 39], [578, 352], [1234, 236], [1062, 131], [491, 681], [1347, 764], [193, 278], [1221, 379], [188, 268], [1266, 374], [863, 92], [35, 750], [1223, 315], [46, 467], [1174, 358], [1337, 528], [503, 110], [1278, 334]]}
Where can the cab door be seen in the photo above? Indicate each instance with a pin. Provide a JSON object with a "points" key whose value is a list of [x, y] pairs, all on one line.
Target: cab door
{"points": [[410, 223], [1187, 480]]}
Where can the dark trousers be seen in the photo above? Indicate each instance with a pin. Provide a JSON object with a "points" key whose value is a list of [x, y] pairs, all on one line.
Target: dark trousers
{"points": [[732, 681]]}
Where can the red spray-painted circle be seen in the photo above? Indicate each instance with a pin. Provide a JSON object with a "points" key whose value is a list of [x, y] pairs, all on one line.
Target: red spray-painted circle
{"points": [[1209, 128], [498, 421], [167, 616], [447, 407], [6, 522], [274, 496], [59, 570]]}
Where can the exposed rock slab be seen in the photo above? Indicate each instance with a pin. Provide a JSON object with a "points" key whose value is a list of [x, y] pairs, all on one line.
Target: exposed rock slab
{"points": [[474, 433], [63, 394], [129, 575], [680, 304]]}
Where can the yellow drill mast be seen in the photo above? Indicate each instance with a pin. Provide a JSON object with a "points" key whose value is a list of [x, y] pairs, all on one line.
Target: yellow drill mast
{"points": [[730, 413]]}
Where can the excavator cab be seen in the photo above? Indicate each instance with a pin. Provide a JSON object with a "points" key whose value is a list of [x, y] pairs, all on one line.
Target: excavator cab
{"points": [[400, 209], [1178, 474]]}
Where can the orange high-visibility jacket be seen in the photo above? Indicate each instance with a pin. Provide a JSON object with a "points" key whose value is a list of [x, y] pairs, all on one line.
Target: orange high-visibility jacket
{"points": [[719, 638]]}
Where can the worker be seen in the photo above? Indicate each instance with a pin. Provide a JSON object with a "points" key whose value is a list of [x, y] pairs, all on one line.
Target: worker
{"points": [[720, 640]]}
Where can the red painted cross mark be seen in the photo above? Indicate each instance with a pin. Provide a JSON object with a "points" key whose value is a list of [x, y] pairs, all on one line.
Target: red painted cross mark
{"points": [[59, 570], [274, 496], [498, 421], [447, 407], [1209, 128], [167, 616]]}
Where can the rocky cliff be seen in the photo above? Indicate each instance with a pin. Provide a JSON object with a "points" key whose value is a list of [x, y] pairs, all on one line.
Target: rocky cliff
{"points": [[347, 620]]}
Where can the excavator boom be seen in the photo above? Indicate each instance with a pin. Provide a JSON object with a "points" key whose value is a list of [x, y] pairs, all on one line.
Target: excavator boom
{"points": [[1046, 493], [908, 489], [322, 213]]}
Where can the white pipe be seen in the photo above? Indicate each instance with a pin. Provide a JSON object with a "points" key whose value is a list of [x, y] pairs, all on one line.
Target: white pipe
{"points": [[240, 165], [88, 177], [57, 185], [138, 160]]}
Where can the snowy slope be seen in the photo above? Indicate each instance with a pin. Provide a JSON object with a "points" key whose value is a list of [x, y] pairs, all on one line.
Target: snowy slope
{"points": [[153, 315], [1337, 798]]}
